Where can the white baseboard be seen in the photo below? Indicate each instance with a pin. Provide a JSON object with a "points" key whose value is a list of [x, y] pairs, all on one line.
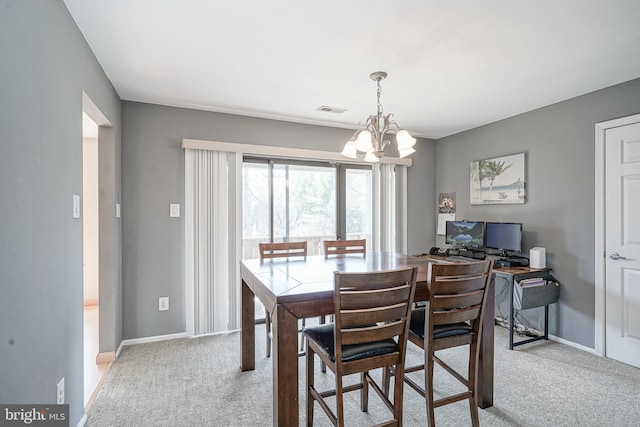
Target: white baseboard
{"points": [[517, 327], [107, 357], [572, 344], [83, 420], [156, 338], [120, 347], [151, 339]]}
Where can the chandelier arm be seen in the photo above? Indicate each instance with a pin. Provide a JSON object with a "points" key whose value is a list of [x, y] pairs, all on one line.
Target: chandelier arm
{"points": [[372, 123], [392, 123]]}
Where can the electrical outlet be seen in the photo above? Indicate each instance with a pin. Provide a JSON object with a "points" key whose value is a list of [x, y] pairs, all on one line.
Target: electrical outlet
{"points": [[163, 303], [60, 392]]}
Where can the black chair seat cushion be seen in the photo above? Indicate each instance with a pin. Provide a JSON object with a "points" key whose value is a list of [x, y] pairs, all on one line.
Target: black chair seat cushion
{"points": [[439, 331], [323, 335]]}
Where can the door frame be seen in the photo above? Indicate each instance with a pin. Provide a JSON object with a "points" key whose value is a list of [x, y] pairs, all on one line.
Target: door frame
{"points": [[600, 228], [109, 240]]}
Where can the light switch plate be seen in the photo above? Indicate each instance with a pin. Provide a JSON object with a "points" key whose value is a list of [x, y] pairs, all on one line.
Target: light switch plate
{"points": [[117, 210], [174, 210], [163, 303], [76, 206]]}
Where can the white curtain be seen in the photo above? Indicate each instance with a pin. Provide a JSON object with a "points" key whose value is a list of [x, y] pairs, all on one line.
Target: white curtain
{"points": [[212, 240], [389, 208]]}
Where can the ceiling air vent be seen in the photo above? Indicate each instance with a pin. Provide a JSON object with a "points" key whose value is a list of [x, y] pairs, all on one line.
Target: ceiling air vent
{"points": [[328, 109]]}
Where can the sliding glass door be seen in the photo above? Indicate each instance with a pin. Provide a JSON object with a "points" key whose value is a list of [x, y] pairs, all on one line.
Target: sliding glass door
{"points": [[286, 200], [356, 217]]}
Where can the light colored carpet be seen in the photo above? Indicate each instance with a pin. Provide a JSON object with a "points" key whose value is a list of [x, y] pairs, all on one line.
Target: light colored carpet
{"points": [[197, 382]]}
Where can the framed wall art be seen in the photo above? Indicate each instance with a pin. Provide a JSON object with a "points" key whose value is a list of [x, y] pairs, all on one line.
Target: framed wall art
{"points": [[499, 180]]}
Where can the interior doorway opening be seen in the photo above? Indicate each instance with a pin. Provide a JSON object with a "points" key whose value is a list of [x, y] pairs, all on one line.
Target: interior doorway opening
{"points": [[101, 247], [93, 371]]}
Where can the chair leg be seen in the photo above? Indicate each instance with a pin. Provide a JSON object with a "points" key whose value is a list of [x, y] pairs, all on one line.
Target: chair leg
{"points": [[339, 401], [267, 322], [364, 392], [386, 380], [310, 383], [397, 393], [323, 367], [428, 382], [471, 382], [473, 407], [302, 339]]}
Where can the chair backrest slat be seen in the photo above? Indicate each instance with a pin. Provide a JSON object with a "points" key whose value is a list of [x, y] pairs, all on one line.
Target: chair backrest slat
{"points": [[458, 284], [374, 298], [458, 300], [343, 247], [456, 316], [373, 333], [373, 315], [282, 250]]}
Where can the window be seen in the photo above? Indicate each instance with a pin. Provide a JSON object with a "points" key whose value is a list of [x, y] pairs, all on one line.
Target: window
{"points": [[286, 200], [358, 203]]}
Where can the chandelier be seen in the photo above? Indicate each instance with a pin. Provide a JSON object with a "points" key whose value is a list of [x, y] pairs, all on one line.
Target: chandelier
{"points": [[371, 140]]}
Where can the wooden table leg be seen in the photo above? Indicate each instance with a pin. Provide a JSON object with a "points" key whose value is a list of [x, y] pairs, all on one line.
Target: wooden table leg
{"points": [[248, 332], [485, 364], [285, 367]]}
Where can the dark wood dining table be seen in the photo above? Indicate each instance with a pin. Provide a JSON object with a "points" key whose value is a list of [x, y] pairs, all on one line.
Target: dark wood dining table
{"points": [[297, 288]]}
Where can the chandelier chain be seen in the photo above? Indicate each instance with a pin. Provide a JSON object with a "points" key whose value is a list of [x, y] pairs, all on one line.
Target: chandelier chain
{"points": [[380, 111]]}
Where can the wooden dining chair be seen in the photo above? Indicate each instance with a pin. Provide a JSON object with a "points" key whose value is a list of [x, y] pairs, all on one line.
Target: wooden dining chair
{"points": [[343, 247], [372, 313], [452, 317], [279, 250]]}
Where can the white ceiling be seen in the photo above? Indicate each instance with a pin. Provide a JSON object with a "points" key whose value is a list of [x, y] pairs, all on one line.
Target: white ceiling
{"points": [[452, 65]]}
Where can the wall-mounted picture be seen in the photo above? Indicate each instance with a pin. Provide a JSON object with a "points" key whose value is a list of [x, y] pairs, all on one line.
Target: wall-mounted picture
{"points": [[446, 203], [499, 180]]}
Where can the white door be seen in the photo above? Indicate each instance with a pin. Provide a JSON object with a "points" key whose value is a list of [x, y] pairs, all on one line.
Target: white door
{"points": [[623, 243]]}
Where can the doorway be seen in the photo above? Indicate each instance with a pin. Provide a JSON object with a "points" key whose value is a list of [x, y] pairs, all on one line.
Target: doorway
{"points": [[93, 371], [617, 255], [101, 246]]}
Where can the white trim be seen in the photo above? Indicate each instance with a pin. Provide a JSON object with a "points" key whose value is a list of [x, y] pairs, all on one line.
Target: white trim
{"points": [[119, 350], [600, 228], [235, 290], [297, 153], [83, 420], [572, 344], [156, 338], [106, 357], [189, 273], [403, 214]]}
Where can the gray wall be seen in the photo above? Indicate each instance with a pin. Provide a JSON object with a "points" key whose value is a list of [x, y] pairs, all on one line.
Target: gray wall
{"points": [[45, 66], [153, 173], [559, 214]]}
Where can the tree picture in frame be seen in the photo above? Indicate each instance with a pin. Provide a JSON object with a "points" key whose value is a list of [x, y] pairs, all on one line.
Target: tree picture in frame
{"points": [[499, 180]]}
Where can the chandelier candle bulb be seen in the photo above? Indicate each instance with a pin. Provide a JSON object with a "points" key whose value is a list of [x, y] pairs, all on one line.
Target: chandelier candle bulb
{"points": [[350, 150], [363, 141]]}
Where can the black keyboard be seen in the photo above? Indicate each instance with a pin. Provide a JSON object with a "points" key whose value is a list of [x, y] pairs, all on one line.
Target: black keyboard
{"points": [[474, 255], [459, 258]]}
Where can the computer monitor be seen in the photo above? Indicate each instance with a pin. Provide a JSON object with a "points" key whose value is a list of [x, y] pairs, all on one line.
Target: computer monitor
{"points": [[506, 237], [468, 234]]}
